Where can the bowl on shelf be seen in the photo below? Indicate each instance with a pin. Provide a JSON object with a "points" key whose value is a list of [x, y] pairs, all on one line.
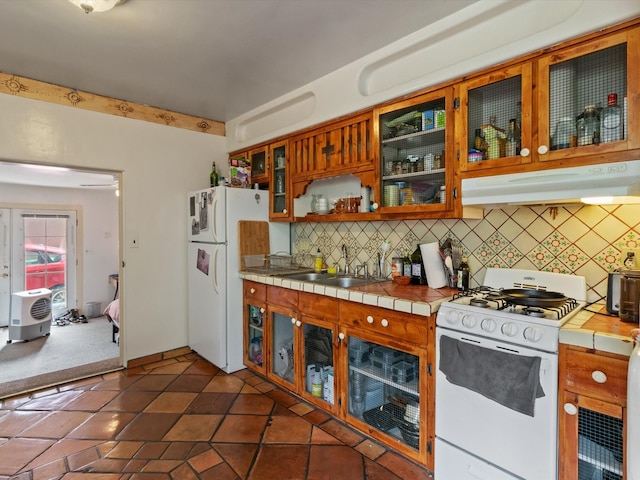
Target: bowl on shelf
{"points": [[401, 280]]}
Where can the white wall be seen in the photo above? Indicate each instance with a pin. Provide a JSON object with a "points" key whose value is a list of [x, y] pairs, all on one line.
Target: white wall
{"points": [[159, 164], [482, 35], [98, 230]]}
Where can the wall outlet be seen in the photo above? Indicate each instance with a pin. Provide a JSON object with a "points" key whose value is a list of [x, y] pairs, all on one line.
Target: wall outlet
{"points": [[625, 253]]}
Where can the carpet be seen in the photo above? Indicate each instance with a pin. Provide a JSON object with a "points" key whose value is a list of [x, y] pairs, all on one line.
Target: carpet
{"points": [[71, 352]]}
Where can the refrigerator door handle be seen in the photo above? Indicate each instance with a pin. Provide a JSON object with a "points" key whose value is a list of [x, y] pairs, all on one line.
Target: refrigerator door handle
{"points": [[215, 219], [214, 269]]}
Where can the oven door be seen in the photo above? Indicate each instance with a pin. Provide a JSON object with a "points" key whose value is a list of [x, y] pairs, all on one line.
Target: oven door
{"points": [[477, 438]]}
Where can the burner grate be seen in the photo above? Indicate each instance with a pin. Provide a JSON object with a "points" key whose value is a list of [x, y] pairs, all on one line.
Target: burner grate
{"points": [[487, 297]]}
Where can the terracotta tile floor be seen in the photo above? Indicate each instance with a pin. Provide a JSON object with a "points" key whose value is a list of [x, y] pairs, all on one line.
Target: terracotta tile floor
{"points": [[184, 419]]}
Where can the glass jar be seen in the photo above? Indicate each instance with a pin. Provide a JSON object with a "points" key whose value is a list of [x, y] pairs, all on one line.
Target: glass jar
{"points": [[314, 202], [588, 126]]}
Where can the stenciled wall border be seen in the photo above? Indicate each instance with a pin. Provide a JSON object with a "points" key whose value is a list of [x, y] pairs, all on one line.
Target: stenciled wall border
{"points": [[46, 92]]}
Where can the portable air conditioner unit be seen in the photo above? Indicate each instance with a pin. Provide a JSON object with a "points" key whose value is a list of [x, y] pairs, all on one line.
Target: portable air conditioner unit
{"points": [[30, 314]]}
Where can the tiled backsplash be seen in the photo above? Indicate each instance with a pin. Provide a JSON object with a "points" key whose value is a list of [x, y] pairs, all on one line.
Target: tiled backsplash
{"points": [[581, 240]]}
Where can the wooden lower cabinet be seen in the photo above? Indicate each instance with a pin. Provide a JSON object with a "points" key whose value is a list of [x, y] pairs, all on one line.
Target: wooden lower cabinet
{"points": [[591, 414], [368, 366]]}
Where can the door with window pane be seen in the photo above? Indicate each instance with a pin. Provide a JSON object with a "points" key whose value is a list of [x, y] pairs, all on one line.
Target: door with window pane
{"points": [[44, 254]]}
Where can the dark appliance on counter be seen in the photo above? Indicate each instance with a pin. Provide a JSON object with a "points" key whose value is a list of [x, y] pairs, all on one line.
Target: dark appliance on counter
{"points": [[613, 293]]}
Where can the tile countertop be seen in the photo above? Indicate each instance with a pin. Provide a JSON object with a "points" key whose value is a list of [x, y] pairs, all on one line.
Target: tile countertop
{"points": [[596, 331], [414, 299]]}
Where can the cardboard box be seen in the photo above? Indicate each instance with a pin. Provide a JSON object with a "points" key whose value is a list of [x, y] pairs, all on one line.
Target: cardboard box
{"points": [[427, 120], [240, 172]]}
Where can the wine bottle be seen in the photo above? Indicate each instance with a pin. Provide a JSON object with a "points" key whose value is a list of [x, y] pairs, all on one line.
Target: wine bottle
{"points": [[463, 274], [213, 178], [418, 274]]}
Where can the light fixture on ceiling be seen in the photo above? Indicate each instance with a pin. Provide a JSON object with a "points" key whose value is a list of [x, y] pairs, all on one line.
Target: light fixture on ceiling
{"points": [[90, 6]]}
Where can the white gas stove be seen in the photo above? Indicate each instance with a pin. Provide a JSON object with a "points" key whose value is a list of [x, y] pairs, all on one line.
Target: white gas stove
{"points": [[497, 346], [523, 307]]}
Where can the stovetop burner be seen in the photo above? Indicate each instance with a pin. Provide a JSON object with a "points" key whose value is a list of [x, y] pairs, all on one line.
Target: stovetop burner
{"points": [[528, 302]]}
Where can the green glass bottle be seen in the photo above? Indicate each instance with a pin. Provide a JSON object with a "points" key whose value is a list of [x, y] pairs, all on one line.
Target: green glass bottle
{"points": [[418, 274], [214, 176]]}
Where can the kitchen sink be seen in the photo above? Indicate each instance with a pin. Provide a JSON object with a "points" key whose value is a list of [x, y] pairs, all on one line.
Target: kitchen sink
{"points": [[343, 281]]}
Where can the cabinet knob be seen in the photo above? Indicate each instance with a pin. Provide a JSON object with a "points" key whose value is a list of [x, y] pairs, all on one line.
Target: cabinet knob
{"points": [[253, 290], [525, 152], [341, 336], [542, 149], [284, 210], [570, 408], [298, 323], [261, 309], [598, 376], [369, 319], [293, 320], [384, 322]]}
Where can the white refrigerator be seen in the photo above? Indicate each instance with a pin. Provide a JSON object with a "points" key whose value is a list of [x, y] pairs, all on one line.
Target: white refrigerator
{"points": [[215, 287]]}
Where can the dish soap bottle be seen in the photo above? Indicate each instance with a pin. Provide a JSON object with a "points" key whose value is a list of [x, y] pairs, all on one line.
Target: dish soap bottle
{"points": [[213, 177], [318, 261], [463, 274]]}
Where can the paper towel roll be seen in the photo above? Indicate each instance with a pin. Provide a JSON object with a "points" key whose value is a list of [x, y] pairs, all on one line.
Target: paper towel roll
{"points": [[364, 200], [433, 265]]}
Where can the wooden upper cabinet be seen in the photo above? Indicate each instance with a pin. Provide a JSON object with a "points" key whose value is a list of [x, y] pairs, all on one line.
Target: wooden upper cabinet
{"points": [[340, 148], [575, 80], [488, 105], [416, 138], [279, 171], [259, 158], [559, 100]]}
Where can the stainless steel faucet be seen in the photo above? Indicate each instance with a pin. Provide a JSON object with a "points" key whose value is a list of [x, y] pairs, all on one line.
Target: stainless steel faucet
{"points": [[345, 255]]}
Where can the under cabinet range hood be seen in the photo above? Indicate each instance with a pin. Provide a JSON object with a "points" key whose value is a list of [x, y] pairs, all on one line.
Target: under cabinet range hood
{"points": [[602, 183]]}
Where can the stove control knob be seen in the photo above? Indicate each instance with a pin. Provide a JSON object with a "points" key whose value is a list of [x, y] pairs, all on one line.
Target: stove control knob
{"points": [[488, 325], [452, 317], [533, 334], [510, 329], [469, 321]]}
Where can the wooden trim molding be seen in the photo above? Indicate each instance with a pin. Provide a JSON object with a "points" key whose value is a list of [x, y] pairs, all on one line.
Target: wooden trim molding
{"points": [[46, 92]]}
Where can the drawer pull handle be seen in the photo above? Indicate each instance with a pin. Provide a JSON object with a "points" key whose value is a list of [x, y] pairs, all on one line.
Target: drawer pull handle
{"points": [[570, 408], [598, 376], [253, 290], [384, 322], [369, 319]]}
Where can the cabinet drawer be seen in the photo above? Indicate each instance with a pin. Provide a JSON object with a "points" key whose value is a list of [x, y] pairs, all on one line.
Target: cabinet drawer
{"points": [[402, 326], [255, 291], [282, 297], [318, 306], [596, 376]]}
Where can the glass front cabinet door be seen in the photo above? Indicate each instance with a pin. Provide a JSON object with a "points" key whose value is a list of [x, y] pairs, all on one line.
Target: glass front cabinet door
{"points": [[279, 184], [383, 393], [255, 315], [493, 122], [282, 365], [259, 165], [584, 99], [416, 138]]}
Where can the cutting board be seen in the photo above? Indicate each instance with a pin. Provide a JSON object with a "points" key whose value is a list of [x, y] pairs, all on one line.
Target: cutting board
{"points": [[254, 239]]}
